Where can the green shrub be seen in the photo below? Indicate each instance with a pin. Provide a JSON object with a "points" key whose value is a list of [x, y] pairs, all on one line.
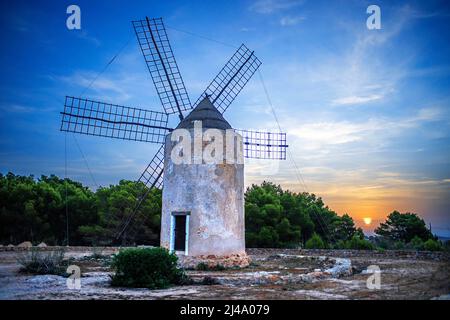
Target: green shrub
{"points": [[447, 245], [432, 245], [416, 243], [152, 268], [355, 243], [358, 243], [208, 281], [315, 242], [384, 243], [202, 266], [38, 262], [398, 245], [341, 244]]}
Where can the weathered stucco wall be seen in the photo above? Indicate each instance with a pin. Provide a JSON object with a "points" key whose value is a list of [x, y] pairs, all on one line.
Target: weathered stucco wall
{"points": [[214, 195]]}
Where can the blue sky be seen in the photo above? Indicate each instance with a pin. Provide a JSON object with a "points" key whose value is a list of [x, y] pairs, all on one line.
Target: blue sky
{"points": [[366, 111]]}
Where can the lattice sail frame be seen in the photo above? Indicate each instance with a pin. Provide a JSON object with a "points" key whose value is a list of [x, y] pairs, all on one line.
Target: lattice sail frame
{"points": [[97, 118], [152, 177], [231, 79], [153, 173], [161, 64], [263, 145]]}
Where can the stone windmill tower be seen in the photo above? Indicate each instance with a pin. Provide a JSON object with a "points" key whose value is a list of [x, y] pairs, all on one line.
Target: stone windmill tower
{"points": [[203, 198]]}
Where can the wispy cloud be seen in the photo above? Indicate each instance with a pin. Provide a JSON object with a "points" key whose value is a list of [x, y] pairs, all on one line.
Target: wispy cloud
{"points": [[19, 108], [291, 21], [270, 6], [103, 86], [127, 81], [317, 135], [357, 99], [83, 34]]}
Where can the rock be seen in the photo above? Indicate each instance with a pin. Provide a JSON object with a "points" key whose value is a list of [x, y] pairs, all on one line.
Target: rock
{"points": [[342, 267], [25, 244], [46, 280], [442, 297], [317, 274], [42, 245], [10, 245]]}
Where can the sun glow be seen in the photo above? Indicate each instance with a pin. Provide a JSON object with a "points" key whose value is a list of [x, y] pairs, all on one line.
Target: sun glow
{"points": [[367, 221]]}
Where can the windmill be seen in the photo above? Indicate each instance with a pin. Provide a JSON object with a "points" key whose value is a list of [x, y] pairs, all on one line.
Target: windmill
{"points": [[90, 117]]}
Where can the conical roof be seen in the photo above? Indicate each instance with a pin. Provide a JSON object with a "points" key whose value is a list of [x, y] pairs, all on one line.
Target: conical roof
{"points": [[208, 114]]}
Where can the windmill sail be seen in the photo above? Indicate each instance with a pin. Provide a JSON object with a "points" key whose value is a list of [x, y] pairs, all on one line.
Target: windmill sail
{"points": [[152, 177], [109, 120], [163, 68], [263, 145], [153, 173], [224, 88]]}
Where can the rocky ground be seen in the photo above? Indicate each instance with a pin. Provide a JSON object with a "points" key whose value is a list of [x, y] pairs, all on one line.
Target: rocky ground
{"points": [[273, 274]]}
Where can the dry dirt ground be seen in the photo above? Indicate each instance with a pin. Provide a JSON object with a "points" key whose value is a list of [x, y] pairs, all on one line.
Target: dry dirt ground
{"points": [[273, 274]]}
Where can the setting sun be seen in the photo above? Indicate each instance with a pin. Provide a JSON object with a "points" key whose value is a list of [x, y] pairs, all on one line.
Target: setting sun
{"points": [[367, 221]]}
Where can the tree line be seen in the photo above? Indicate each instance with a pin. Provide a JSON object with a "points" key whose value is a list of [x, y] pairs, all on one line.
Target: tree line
{"points": [[49, 208]]}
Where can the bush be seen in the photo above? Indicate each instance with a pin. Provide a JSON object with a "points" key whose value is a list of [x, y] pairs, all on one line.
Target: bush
{"points": [[315, 242], [380, 249], [202, 266], [152, 268], [447, 245], [432, 245], [416, 243], [208, 281], [341, 244], [38, 262], [398, 245], [383, 243], [358, 243]]}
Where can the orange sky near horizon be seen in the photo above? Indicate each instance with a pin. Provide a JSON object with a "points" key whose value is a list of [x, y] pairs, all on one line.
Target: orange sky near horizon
{"points": [[376, 202], [371, 199]]}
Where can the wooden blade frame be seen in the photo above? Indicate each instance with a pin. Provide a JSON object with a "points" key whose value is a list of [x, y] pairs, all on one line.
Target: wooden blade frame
{"points": [[161, 64], [225, 87], [113, 121], [152, 177], [263, 145]]}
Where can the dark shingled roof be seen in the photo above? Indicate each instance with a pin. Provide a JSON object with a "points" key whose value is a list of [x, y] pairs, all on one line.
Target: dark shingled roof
{"points": [[208, 114]]}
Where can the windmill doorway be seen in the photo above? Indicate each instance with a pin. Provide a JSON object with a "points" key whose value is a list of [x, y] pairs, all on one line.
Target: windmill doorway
{"points": [[179, 232]]}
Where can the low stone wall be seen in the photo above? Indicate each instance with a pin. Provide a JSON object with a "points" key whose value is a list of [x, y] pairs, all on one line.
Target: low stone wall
{"points": [[67, 248], [240, 260], [400, 254]]}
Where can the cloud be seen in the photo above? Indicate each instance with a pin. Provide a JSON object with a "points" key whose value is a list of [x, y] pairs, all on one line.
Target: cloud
{"points": [[125, 82], [19, 108], [429, 114], [85, 36], [270, 6], [357, 99], [361, 71], [102, 86], [291, 21], [318, 135]]}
